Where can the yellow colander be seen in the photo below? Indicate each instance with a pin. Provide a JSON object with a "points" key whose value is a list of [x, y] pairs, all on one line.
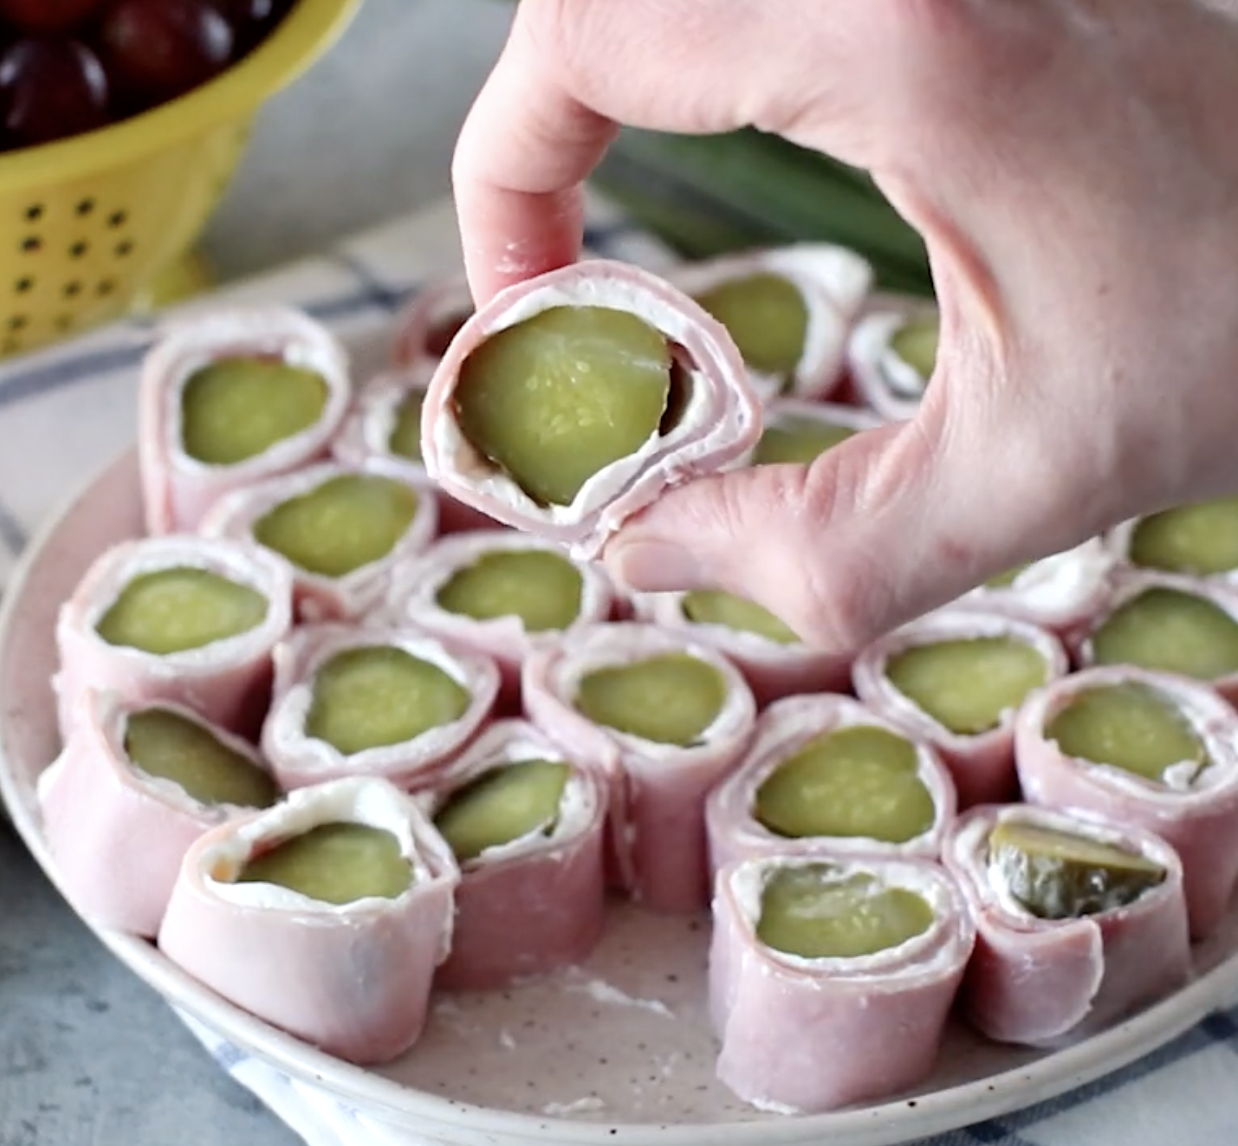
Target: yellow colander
{"points": [[89, 224]]}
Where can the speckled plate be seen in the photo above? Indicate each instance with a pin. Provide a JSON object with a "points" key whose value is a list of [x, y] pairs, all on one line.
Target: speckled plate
{"points": [[616, 1051]]}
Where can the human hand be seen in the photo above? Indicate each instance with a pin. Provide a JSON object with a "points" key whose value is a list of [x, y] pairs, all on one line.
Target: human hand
{"points": [[1074, 171]]}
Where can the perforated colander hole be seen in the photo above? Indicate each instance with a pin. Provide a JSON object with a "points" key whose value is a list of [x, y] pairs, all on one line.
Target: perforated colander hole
{"points": [[78, 249], [85, 207], [31, 243], [105, 287], [24, 285], [17, 322], [123, 248], [117, 219], [72, 290], [63, 321], [34, 212]]}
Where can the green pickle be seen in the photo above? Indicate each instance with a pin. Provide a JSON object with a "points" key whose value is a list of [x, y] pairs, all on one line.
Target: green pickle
{"points": [[168, 746], [337, 863], [966, 685], [237, 408], [556, 398], [815, 912], [405, 440], [766, 317], [1198, 540], [1172, 631], [853, 782], [793, 440], [378, 695], [1062, 875], [542, 588], [178, 609], [669, 699], [710, 607], [502, 805], [1006, 580], [341, 525], [915, 342], [1128, 726]]}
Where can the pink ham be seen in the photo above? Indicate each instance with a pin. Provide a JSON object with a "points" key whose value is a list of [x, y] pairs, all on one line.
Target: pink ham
{"points": [[319, 597], [1040, 981], [1197, 815], [657, 791], [810, 1035], [720, 423], [982, 765], [117, 835], [353, 980], [784, 729], [177, 489], [538, 903], [299, 760], [225, 681], [430, 321], [879, 378]]}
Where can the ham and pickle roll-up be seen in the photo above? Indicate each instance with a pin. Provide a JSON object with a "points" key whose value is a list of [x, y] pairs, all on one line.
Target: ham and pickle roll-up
{"points": [[229, 399], [1199, 540], [831, 978], [341, 530], [527, 828], [1152, 750], [325, 915], [891, 354], [663, 718], [180, 619], [825, 772], [1078, 921], [955, 679], [132, 788], [396, 703], [572, 401]]}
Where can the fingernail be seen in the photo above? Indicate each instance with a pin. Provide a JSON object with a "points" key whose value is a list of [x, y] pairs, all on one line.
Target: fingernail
{"points": [[653, 566]]}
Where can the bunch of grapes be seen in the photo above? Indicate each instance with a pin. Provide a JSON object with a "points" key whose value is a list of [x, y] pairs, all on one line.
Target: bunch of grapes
{"points": [[71, 66]]}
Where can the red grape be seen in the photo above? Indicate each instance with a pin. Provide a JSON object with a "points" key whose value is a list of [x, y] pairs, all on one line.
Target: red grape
{"points": [[47, 17], [50, 89]]}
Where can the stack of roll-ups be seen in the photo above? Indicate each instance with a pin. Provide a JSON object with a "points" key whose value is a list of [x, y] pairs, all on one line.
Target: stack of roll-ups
{"points": [[365, 692]]}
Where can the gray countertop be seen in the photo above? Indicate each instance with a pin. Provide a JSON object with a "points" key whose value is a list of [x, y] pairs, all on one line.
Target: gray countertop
{"points": [[88, 1053]]}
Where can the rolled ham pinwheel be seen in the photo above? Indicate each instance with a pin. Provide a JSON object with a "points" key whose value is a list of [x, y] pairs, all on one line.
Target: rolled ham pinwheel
{"points": [[232, 398], [1198, 540], [325, 916], [430, 321], [573, 400], [180, 619], [341, 531], [861, 1016], [1079, 921], [663, 718], [1146, 749], [132, 788], [391, 702], [825, 772], [891, 351], [527, 828], [955, 679], [789, 310]]}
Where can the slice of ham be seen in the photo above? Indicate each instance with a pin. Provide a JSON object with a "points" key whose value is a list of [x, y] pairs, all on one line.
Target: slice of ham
{"points": [[811, 1035], [117, 835], [177, 489], [658, 850], [782, 730], [225, 681], [834, 283], [720, 423], [880, 379], [1198, 817], [982, 765], [537, 903], [319, 597], [1042, 982], [430, 321], [353, 980], [299, 760]]}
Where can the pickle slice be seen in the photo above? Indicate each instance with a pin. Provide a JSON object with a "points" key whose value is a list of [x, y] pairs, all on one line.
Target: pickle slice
{"points": [[1198, 540], [966, 685], [1128, 726], [169, 746], [502, 805], [766, 317], [405, 440], [379, 695], [859, 781], [1172, 631], [1062, 875], [543, 589], [814, 912], [343, 524], [174, 610], [236, 408], [798, 440], [915, 342], [563, 394], [669, 699], [708, 607], [1006, 580], [336, 863]]}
